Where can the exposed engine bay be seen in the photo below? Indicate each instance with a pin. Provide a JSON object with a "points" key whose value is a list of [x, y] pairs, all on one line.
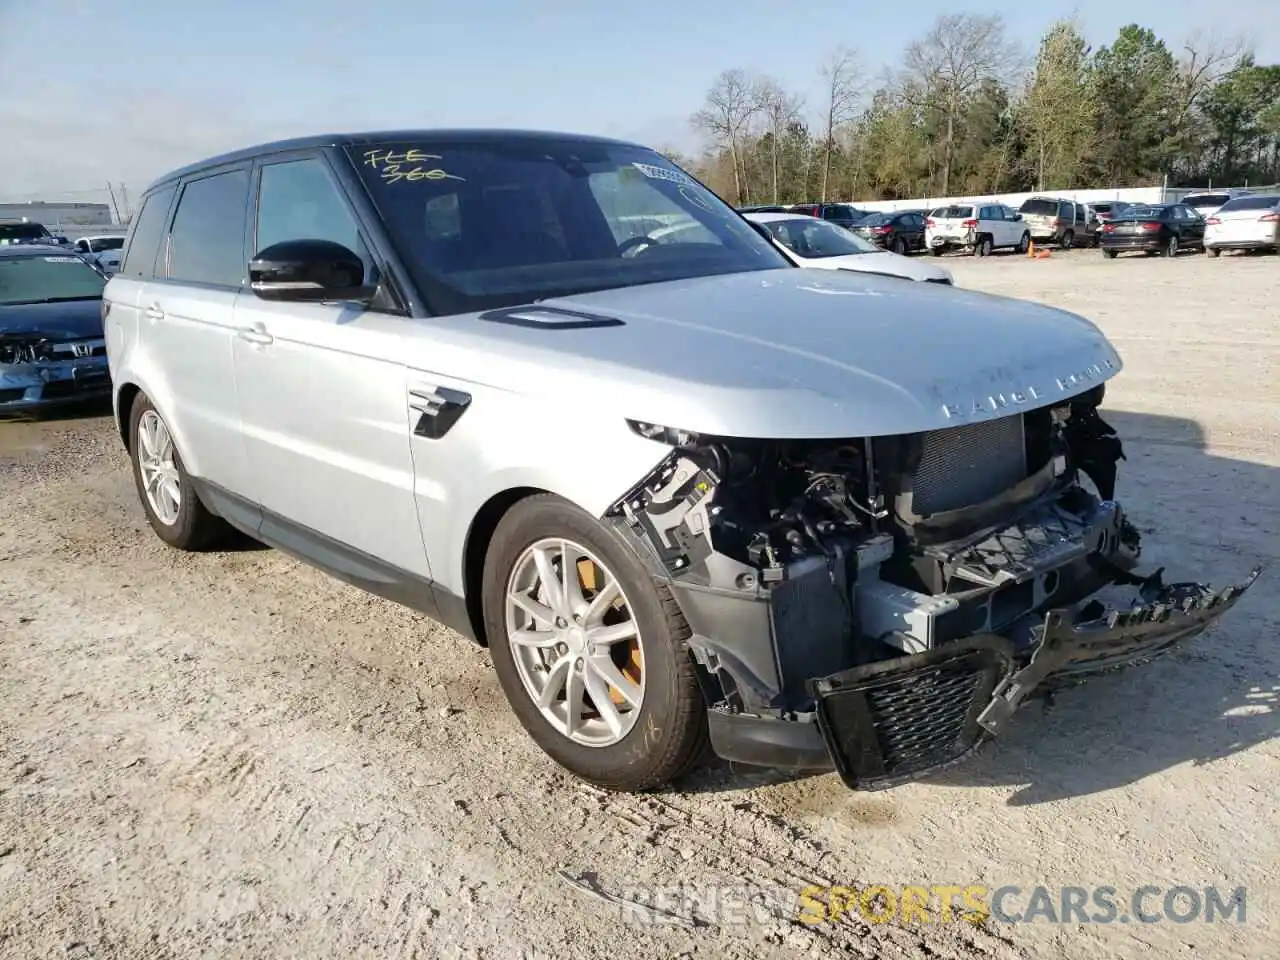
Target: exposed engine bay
{"points": [[899, 593]]}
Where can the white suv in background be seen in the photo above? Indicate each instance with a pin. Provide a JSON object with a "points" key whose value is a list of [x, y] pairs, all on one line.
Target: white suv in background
{"points": [[1245, 223], [978, 229]]}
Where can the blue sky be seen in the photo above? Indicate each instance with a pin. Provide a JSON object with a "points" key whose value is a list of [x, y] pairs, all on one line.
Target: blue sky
{"points": [[124, 90]]}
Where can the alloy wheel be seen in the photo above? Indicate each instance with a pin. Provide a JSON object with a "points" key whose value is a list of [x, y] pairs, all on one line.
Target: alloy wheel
{"points": [[160, 479], [575, 642]]}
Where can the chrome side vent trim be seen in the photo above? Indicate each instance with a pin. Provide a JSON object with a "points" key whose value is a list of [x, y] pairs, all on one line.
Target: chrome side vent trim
{"points": [[438, 409]]}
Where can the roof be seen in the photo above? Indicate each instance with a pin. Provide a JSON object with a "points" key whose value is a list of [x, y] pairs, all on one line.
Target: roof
{"points": [[19, 250], [425, 136]]}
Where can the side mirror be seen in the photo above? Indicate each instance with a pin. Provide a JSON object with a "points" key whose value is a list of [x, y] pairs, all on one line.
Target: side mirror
{"points": [[308, 271]]}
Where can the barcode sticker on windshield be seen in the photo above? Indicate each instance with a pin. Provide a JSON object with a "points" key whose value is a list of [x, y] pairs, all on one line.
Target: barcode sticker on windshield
{"points": [[62, 260]]}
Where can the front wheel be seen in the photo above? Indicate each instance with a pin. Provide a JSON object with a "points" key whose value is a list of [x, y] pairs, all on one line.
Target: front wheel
{"points": [[1024, 243], [591, 654], [168, 496]]}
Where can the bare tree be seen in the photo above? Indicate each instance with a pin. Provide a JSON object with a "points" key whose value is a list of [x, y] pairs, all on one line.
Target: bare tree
{"points": [[779, 109], [726, 117], [952, 61], [840, 87]]}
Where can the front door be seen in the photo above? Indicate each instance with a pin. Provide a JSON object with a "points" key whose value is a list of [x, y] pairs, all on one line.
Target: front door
{"points": [[323, 393]]}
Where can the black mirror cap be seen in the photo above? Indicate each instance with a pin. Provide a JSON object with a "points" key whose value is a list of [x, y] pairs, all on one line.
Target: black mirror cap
{"points": [[308, 270]]}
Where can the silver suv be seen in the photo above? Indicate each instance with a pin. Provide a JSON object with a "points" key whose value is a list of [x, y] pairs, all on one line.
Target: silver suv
{"points": [[684, 491]]}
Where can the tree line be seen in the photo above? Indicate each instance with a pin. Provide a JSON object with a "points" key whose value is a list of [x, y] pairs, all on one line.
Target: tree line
{"points": [[965, 111]]}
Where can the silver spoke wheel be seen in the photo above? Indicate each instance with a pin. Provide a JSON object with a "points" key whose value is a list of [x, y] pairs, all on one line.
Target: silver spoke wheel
{"points": [[575, 642], [159, 472]]}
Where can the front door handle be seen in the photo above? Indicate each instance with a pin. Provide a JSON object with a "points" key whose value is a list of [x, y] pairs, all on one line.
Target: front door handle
{"points": [[255, 335], [154, 313]]}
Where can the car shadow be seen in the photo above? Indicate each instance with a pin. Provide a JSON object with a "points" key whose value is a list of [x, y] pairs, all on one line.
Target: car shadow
{"points": [[1203, 517]]}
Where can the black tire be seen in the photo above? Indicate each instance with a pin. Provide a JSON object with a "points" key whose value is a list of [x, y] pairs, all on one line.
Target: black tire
{"points": [[1170, 246], [899, 246], [1213, 251], [1110, 254], [670, 733], [195, 528], [983, 247], [1024, 243], [1068, 240], [935, 251]]}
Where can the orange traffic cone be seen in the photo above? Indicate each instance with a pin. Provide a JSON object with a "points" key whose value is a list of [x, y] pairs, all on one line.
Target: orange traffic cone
{"points": [[1031, 248]]}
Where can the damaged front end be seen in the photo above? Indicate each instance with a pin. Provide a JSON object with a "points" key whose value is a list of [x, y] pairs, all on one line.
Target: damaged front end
{"points": [[37, 370], [882, 605]]}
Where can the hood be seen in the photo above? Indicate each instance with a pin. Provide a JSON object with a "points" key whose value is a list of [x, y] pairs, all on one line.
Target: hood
{"points": [[794, 353], [69, 320]]}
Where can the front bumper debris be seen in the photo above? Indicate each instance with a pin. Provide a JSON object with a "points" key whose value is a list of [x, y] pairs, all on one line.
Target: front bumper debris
{"points": [[40, 383], [892, 721]]}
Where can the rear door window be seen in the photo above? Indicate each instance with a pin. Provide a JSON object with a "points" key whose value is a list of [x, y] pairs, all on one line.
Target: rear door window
{"points": [[206, 242], [144, 239]]}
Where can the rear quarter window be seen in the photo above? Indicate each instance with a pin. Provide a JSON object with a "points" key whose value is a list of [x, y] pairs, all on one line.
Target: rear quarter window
{"points": [[144, 238]]}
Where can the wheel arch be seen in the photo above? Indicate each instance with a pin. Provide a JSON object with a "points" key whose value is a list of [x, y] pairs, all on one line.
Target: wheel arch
{"points": [[476, 548], [126, 394]]}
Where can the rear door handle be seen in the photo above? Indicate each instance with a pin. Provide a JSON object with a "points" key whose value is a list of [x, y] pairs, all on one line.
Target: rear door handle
{"points": [[255, 335], [154, 313]]}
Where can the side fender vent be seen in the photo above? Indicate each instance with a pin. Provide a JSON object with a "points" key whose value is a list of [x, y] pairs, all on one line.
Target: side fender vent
{"points": [[438, 409], [550, 318]]}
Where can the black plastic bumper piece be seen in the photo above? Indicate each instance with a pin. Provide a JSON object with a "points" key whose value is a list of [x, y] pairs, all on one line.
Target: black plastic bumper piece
{"points": [[768, 741], [891, 721]]}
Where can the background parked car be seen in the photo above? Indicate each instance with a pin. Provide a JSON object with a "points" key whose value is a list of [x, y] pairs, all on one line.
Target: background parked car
{"points": [[979, 229], [763, 208], [901, 231], [1245, 223], [1054, 220], [811, 242], [1208, 202], [24, 232], [843, 214], [1107, 210], [97, 244], [1166, 228]]}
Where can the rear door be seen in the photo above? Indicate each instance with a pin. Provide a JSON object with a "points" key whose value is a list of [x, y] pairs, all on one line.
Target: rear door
{"points": [[187, 318], [323, 390], [121, 296]]}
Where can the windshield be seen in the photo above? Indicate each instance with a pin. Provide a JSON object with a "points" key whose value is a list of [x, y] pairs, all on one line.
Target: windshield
{"points": [[1039, 207], [816, 239], [41, 279], [1250, 203], [20, 232], [487, 223]]}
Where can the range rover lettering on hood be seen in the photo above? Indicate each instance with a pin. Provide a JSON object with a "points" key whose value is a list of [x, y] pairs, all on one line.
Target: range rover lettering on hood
{"points": [[1068, 385]]}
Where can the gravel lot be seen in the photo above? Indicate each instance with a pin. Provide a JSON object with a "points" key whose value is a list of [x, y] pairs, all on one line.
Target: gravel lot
{"points": [[231, 755]]}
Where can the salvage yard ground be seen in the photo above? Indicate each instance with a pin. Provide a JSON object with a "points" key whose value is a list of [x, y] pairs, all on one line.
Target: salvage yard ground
{"points": [[230, 755]]}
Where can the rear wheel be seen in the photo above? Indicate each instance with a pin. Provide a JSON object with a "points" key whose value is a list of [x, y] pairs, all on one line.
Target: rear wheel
{"points": [[935, 251], [1171, 246], [899, 246], [1213, 251], [1068, 240], [168, 496], [592, 656], [1110, 254], [983, 247]]}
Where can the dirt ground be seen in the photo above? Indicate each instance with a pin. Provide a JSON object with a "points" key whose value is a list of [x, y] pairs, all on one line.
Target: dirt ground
{"points": [[230, 755]]}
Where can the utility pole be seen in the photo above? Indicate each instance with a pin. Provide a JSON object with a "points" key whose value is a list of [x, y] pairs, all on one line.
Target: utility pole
{"points": [[114, 206]]}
